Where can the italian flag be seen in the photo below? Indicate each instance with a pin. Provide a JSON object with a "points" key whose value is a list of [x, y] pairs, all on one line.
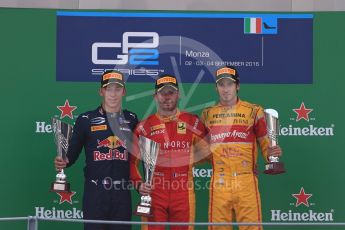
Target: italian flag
{"points": [[253, 25]]}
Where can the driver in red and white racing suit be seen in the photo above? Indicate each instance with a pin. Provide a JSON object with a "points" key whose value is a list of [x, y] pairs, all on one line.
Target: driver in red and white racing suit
{"points": [[180, 135]]}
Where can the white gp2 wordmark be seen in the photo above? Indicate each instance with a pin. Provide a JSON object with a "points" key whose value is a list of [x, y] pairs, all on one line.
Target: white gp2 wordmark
{"points": [[134, 53]]}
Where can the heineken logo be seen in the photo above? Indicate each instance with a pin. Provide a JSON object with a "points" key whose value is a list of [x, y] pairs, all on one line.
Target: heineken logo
{"points": [[309, 216], [302, 112], [44, 212], [66, 196], [309, 130], [303, 119], [65, 210], [302, 198], [300, 213]]}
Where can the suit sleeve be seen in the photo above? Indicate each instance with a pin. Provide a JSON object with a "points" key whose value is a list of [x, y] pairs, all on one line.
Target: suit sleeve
{"points": [[135, 175], [260, 129], [77, 141], [134, 122], [201, 148], [204, 117]]}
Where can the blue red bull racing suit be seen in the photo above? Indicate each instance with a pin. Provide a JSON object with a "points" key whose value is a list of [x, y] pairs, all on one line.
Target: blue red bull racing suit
{"points": [[106, 139]]}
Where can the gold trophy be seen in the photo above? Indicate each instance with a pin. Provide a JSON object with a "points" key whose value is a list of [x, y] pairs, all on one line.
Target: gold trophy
{"points": [[62, 134], [274, 166], [149, 150]]}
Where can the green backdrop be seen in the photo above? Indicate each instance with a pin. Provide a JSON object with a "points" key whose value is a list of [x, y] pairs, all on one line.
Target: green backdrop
{"points": [[30, 96]]}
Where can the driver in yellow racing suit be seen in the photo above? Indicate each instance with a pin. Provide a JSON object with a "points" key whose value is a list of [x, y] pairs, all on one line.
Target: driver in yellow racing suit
{"points": [[236, 128]]}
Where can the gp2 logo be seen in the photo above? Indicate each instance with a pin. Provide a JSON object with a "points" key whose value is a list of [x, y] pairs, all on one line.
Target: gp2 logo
{"points": [[142, 53]]}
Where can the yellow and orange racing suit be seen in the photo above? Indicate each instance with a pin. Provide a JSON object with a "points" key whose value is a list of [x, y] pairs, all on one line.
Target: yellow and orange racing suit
{"points": [[234, 134]]}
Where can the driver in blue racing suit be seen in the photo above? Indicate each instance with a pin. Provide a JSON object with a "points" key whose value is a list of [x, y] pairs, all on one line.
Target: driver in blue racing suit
{"points": [[106, 135]]}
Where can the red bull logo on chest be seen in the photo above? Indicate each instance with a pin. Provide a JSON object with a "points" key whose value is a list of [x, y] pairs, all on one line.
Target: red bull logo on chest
{"points": [[112, 154], [111, 142]]}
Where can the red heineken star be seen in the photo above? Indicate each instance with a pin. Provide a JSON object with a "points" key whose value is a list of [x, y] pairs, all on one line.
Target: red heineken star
{"points": [[66, 196], [302, 198], [302, 112], [66, 110]]}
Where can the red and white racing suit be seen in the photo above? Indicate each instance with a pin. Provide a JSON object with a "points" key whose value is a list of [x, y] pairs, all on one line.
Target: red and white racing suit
{"points": [[181, 143], [234, 133]]}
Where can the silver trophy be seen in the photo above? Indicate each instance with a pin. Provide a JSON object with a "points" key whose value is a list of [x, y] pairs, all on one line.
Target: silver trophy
{"points": [[62, 134], [274, 166], [149, 150]]}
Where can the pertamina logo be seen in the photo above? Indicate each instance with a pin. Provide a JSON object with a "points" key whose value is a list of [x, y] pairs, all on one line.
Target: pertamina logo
{"points": [[300, 214], [61, 212], [66, 110], [304, 124]]}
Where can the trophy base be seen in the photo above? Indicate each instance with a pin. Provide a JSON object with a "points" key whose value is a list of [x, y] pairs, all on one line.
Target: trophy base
{"points": [[274, 168], [60, 187], [143, 211]]}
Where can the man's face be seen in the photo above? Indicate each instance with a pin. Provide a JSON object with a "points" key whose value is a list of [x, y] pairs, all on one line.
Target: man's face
{"points": [[167, 98], [112, 95], [227, 90]]}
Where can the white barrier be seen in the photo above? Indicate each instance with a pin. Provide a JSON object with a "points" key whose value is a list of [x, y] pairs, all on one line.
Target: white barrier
{"points": [[33, 223]]}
